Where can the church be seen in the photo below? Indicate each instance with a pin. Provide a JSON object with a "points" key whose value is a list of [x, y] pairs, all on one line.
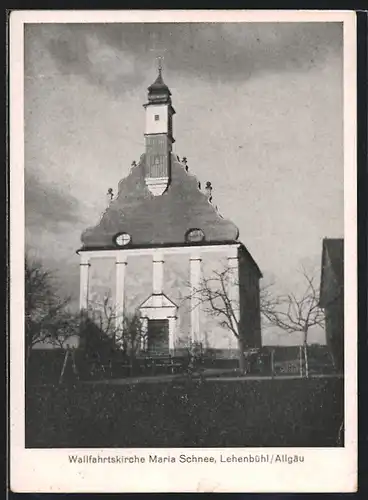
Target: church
{"points": [[159, 239]]}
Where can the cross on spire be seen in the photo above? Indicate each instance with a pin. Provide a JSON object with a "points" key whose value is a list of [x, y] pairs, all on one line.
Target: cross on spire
{"points": [[159, 92], [159, 64]]}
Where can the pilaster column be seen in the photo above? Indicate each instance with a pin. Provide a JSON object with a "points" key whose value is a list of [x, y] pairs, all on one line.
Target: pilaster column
{"points": [[195, 281], [233, 283], [83, 283], [158, 272], [172, 328], [121, 263]]}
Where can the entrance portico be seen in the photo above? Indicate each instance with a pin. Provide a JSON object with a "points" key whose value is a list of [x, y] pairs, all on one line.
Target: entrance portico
{"points": [[159, 312]]}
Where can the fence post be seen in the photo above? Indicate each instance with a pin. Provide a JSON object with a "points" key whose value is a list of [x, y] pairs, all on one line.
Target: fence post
{"points": [[64, 365]]}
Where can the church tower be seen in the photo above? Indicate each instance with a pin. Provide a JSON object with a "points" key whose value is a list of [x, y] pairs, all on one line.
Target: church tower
{"points": [[158, 136], [156, 240]]}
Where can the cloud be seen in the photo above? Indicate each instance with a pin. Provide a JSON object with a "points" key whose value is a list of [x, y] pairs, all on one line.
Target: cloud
{"points": [[53, 226], [46, 205], [118, 56]]}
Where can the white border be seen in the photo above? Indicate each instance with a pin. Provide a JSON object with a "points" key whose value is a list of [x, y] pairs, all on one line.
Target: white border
{"points": [[324, 470]]}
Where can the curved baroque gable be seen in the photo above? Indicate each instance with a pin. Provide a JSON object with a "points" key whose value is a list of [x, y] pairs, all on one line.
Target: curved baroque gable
{"points": [[159, 220]]}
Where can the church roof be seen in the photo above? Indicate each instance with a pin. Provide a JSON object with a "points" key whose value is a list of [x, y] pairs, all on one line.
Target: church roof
{"points": [[159, 92], [159, 85], [159, 220]]}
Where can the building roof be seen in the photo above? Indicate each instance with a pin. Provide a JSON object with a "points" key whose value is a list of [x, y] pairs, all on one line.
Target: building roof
{"points": [[159, 220], [243, 250], [333, 253], [335, 250]]}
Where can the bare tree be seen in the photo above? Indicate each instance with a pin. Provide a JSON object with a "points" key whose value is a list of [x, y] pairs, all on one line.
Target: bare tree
{"points": [[47, 317], [133, 336], [298, 313], [104, 316], [126, 329], [100, 331], [269, 300], [66, 336], [115, 332], [214, 295]]}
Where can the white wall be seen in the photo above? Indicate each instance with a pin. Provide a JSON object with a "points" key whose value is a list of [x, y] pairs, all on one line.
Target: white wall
{"points": [[181, 266], [160, 126]]}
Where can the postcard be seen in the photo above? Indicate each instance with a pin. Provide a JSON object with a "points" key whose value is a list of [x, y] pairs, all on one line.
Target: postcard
{"points": [[183, 261]]}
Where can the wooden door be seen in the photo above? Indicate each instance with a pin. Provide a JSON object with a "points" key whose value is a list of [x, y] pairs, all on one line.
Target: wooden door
{"points": [[158, 337]]}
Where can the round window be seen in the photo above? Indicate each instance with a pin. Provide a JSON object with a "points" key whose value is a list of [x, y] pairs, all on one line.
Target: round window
{"points": [[122, 239], [195, 235]]}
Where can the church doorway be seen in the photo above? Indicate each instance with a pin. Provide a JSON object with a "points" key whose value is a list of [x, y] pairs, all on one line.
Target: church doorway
{"points": [[158, 337]]}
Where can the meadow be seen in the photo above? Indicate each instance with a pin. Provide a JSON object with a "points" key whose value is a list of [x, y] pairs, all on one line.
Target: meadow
{"points": [[186, 413]]}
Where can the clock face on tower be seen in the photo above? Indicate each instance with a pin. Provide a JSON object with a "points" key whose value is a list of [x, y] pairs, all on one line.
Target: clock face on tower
{"points": [[122, 239]]}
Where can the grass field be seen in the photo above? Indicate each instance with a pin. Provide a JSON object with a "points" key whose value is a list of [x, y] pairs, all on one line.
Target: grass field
{"points": [[296, 412]]}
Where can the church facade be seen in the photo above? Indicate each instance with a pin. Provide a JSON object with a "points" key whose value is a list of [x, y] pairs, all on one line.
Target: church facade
{"points": [[158, 241]]}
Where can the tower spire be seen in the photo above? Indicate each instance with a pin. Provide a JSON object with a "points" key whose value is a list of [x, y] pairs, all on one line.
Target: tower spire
{"points": [[158, 134], [159, 92]]}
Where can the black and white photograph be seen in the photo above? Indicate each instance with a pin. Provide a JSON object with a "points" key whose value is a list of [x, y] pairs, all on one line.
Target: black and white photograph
{"points": [[187, 198]]}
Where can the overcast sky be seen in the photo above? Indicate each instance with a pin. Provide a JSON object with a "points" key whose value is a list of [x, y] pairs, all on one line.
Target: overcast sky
{"points": [[259, 114]]}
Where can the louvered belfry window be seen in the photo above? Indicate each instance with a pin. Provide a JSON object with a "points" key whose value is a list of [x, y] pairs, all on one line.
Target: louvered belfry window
{"points": [[157, 157]]}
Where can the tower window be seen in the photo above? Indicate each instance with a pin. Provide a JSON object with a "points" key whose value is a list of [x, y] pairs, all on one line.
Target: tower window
{"points": [[157, 117]]}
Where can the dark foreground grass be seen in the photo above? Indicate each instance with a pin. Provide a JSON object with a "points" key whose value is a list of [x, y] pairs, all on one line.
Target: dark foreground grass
{"points": [[186, 414]]}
